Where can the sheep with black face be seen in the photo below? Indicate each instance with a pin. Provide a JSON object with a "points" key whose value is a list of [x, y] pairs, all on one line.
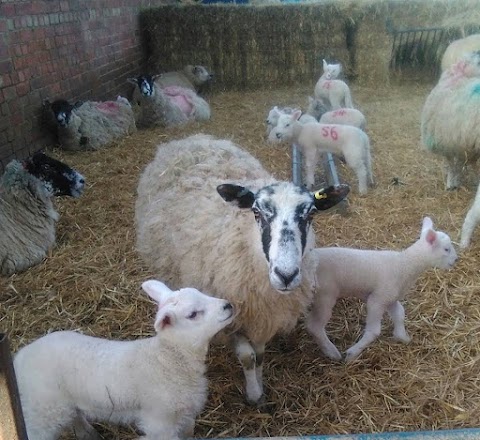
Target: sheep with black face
{"points": [[210, 216], [27, 214]]}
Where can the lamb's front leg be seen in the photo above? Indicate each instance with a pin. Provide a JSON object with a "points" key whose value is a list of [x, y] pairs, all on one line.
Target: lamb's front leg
{"points": [[318, 319], [310, 159], [251, 362], [375, 311], [397, 315]]}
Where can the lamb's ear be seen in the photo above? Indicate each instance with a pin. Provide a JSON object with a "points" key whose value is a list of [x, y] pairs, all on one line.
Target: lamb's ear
{"points": [[431, 237], [158, 75], [236, 194], [158, 291], [325, 198], [325, 65], [165, 318], [276, 111], [427, 224], [133, 81], [296, 115]]}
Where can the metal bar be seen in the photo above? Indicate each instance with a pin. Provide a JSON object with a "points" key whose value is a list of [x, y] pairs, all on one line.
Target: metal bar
{"points": [[404, 31], [463, 434], [12, 425], [296, 165], [330, 169]]}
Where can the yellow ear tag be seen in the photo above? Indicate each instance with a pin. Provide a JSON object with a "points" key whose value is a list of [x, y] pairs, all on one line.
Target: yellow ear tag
{"points": [[319, 196]]}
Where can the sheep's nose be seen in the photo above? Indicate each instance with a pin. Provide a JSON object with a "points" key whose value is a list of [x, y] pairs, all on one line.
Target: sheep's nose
{"points": [[279, 136], [287, 278], [81, 181], [227, 306]]}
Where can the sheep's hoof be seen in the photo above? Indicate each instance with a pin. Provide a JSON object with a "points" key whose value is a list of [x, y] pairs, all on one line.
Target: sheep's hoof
{"points": [[351, 356], [257, 403]]}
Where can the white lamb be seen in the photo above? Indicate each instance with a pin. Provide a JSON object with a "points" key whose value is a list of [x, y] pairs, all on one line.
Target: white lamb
{"points": [[341, 116], [166, 106], [275, 113], [27, 214], [450, 120], [92, 125], [314, 139], [458, 49], [158, 383], [331, 71], [471, 221], [334, 93], [381, 278], [210, 216]]}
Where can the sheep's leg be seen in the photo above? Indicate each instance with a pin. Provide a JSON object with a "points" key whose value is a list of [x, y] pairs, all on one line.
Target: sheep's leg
{"points": [[471, 221], [158, 427], [371, 180], [259, 356], [397, 315], [83, 430], [372, 330], [310, 160], [318, 319], [453, 169], [248, 359], [362, 175]]}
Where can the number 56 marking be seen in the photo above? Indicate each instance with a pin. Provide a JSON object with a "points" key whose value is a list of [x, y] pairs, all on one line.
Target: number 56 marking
{"points": [[330, 132]]}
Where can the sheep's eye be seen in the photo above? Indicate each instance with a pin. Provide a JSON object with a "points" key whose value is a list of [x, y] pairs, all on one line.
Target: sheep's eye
{"points": [[256, 213], [192, 315], [287, 125], [447, 250]]}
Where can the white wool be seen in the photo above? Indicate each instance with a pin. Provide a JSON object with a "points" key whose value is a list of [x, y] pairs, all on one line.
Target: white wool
{"points": [[272, 120], [458, 49], [345, 116], [450, 119], [191, 77], [158, 383], [342, 140], [333, 93], [380, 278]]}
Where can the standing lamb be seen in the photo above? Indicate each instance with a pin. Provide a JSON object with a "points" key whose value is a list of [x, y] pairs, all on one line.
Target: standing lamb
{"points": [[190, 77], [91, 125], [314, 139], [450, 120], [458, 49], [208, 215], [27, 215], [380, 278], [333, 93], [158, 383], [341, 116], [168, 106]]}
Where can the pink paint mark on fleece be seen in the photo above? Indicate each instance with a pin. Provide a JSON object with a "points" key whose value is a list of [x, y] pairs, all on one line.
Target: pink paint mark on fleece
{"points": [[452, 76], [181, 97], [108, 106]]}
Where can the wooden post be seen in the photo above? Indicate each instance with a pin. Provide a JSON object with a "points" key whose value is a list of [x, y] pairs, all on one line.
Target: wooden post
{"points": [[12, 426]]}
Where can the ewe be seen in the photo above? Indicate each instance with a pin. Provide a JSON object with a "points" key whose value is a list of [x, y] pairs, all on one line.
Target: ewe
{"points": [[208, 215], [381, 278], [167, 106], [458, 49], [190, 77], [91, 125], [342, 140], [27, 215], [158, 383], [450, 120]]}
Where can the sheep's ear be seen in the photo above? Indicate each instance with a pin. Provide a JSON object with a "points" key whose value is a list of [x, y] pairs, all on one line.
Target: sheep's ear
{"points": [[296, 115], [165, 318], [133, 80], [46, 102], [236, 194], [325, 65], [158, 75], [427, 224], [77, 105], [431, 237], [158, 291], [325, 198]]}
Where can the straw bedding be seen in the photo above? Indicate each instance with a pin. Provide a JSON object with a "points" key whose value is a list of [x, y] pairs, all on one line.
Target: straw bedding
{"points": [[91, 281]]}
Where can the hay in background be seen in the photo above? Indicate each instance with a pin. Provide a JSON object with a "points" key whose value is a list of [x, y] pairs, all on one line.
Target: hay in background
{"points": [[91, 282]]}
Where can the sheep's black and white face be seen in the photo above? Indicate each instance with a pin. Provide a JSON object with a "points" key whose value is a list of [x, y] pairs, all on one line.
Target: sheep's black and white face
{"points": [[284, 213], [62, 111], [58, 178], [145, 84]]}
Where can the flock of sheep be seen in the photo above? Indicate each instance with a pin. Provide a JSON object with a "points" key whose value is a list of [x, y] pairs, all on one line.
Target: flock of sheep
{"points": [[208, 216]]}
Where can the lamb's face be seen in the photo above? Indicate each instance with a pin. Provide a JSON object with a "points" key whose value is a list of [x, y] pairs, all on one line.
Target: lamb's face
{"points": [[201, 75], [284, 128], [188, 315], [284, 213], [58, 178], [444, 252]]}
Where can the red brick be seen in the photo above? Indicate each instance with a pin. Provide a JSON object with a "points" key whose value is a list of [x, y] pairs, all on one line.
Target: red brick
{"points": [[5, 67], [23, 88], [9, 93], [7, 10]]}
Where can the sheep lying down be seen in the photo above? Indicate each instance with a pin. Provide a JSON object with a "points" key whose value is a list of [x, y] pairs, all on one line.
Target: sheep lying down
{"points": [[379, 277], [67, 379]]}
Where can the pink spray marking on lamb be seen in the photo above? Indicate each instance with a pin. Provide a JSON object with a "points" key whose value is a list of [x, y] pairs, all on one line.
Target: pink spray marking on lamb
{"points": [[181, 97]]}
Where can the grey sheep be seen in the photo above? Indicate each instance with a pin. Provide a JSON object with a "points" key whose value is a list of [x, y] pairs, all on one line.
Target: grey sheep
{"points": [[190, 77], [27, 214], [92, 125]]}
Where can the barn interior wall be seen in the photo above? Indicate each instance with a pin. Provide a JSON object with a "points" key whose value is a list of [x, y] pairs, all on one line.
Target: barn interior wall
{"points": [[69, 49]]}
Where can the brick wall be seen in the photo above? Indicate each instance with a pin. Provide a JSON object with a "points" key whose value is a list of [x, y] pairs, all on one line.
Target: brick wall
{"points": [[72, 49]]}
